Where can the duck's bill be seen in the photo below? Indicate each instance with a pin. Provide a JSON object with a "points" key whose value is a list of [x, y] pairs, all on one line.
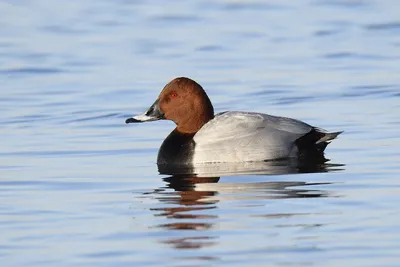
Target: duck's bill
{"points": [[152, 114]]}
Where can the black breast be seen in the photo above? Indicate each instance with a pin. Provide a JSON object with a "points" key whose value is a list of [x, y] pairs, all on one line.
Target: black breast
{"points": [[177, 149]]}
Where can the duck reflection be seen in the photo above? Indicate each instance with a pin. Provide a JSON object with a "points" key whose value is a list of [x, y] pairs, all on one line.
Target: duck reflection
{"points": [[284, 166], [191, 195]]}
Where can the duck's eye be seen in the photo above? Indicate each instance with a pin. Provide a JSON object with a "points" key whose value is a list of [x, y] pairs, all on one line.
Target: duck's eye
{"points": [[174, 95]]}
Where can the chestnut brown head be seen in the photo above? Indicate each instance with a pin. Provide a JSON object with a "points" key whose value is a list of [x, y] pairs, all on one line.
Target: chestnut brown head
{"points": [[182, 101]]}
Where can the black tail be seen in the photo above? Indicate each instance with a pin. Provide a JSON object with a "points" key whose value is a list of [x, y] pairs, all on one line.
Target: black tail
{"points": [[312, 145]]}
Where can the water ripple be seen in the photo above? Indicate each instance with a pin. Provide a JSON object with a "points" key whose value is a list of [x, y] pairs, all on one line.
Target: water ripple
{"points": [[33, 71], [243, 6], [345, 55], [353, 4], [391, 26], [63, 30]]}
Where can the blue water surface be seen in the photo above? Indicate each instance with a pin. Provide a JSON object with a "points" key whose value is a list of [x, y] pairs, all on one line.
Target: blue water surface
{"points": [[78, 187]]}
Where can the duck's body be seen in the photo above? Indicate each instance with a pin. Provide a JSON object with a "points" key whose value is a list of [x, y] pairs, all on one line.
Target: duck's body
{"points": [[233, 136]]}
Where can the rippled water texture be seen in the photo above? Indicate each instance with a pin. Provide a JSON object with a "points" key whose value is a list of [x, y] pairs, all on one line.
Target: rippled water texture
{"points": [[78, 187]]}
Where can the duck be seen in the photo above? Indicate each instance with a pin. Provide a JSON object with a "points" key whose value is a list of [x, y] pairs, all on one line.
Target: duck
{"points": [[200, 136]]}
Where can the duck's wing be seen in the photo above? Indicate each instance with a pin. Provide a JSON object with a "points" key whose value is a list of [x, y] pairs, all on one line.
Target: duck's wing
{"points": [[236, 124], [250, 136]]}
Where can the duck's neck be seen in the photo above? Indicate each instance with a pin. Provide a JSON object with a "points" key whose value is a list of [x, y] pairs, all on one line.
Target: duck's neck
{"points": [[199, 113], [194, 124]]}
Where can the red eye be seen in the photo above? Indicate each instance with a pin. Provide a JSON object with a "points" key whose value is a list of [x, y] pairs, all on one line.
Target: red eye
{"points": [[174, 95]]}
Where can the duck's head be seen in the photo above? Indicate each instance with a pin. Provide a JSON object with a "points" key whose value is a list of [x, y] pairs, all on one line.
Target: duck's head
{"points": [[182, 101]]}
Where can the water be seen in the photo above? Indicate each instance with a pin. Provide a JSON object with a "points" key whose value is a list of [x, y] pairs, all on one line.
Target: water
{"points": [[78, 187]]}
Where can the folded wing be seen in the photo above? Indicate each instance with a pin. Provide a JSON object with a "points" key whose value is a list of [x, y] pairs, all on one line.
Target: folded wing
{"points": [[247, 136]]}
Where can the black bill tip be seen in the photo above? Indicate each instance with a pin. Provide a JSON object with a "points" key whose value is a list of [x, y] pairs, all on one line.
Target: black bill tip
{"points": [[132, 120]]}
